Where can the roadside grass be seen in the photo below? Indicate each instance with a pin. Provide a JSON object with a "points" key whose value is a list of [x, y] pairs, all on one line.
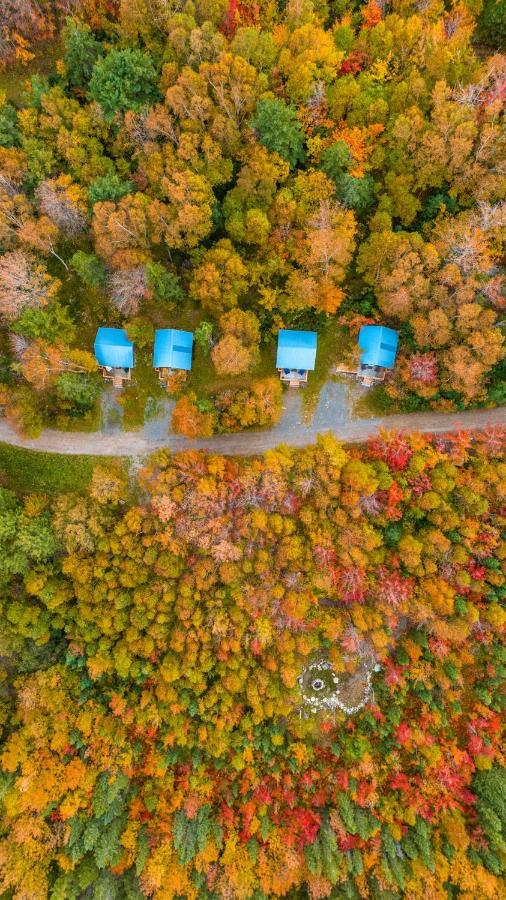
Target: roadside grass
{"points": [[30, 471], [375, 402]]}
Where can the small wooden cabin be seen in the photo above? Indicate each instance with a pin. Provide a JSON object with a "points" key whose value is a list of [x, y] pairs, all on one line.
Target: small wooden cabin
{"points": [[115, 355], [296, 356], [172, 352], [378, 348]]}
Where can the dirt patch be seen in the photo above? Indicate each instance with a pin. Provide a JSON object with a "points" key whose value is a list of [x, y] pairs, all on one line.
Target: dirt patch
{"points": [[355, 690], [322, 689]]}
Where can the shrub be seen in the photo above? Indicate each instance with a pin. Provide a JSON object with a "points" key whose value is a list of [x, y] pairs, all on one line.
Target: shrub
{"points": [[77, 391], [190, 420], [258, 405]]}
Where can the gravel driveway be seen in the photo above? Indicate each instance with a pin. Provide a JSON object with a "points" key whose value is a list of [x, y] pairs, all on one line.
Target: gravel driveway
{"points": [[288, 431]]}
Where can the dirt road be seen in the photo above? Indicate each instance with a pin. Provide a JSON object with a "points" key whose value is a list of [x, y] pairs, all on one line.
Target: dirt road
{"points": [[130, 443]]}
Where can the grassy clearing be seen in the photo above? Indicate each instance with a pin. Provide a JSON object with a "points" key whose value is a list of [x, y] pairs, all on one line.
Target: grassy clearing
{"points": [[26, 471], [12, 79], [204, 379]]}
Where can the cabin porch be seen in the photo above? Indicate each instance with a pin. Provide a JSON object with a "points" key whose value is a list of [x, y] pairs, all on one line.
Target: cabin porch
{"points": [[293, 377], [166, 372], [370, 375], [118, 375]]}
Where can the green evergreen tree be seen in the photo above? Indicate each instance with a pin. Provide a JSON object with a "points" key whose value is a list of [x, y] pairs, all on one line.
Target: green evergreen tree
{"points": [[492, 24], [81, 52], [50, 323], [278, 129], [165, 285], [9, 133], [490, 789], [122, 80], [77, 391], [109, 187], [89, 267]]}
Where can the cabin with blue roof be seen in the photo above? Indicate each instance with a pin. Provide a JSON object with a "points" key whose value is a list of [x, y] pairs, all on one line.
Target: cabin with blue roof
{"points": [[114, 354], [296, 355], [172, 352], [378, 348]]}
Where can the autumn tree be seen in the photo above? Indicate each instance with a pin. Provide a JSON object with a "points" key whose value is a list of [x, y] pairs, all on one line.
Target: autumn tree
{"points": [[314, 237], [41, 362], [21, 22], [16, 212], [246, 205], [323, 254], [220, 279], [257, 405], [190, 202], [440, 288], [380, 566], [108, 484], [237, 349], [127, 289], [189, 420], [63, 203], [160, 627], [123, 231], [24, 283], [234, 86]]}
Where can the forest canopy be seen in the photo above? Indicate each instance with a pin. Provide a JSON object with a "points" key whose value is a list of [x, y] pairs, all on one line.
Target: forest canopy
{"points": [[307, 163], [156, 737]]}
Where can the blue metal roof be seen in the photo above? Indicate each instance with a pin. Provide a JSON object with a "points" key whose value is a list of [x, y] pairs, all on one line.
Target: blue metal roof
{"points": [[378, 345], [112, 348], [173, 349], [296, 350]]}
